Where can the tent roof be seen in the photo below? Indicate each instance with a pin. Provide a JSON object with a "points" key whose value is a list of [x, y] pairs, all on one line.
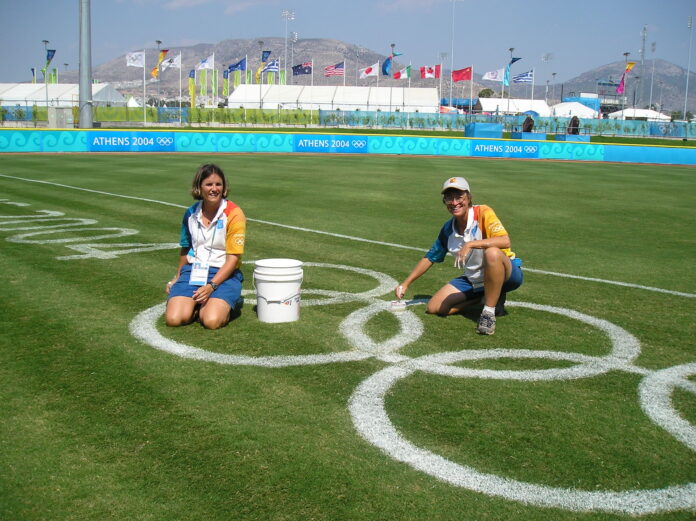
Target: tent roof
{"points": [[514, 106], [650, 115], [58, 94], [573, 108]]}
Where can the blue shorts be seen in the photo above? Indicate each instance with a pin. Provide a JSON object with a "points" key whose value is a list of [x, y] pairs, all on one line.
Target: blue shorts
{"points": [[514, 282], [230, 290]]}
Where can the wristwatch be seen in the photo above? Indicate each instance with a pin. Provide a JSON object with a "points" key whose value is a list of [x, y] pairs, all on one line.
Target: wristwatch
{"points": [[213, 285]]}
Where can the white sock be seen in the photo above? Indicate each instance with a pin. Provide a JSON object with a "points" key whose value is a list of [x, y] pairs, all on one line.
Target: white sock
{"points": [[488, 309]]}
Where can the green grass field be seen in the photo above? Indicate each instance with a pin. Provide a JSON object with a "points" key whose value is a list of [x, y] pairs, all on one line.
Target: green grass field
{"points": [[537, 422]]}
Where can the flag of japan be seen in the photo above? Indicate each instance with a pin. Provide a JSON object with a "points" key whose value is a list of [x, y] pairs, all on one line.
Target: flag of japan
{"points": [[372, 70]]}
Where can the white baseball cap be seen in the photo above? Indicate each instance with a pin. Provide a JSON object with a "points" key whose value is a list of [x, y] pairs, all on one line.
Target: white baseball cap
{"points": [[456, 182]]}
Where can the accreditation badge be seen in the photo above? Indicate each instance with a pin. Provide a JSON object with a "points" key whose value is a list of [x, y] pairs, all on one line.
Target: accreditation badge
{"points": [[199, 274]]}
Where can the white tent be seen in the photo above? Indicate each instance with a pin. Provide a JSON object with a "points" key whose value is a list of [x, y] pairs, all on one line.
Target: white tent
{"points": [[573, 108], [58, 94], [132, 103], [513, 106], [640, 114], [335, 98]]}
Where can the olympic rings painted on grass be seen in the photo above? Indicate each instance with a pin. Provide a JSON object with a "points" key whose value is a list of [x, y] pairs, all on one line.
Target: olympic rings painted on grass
{"points": [[372, 422]]}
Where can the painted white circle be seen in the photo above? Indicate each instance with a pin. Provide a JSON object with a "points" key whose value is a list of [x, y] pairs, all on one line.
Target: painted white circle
{"points": [[144, 328], [367, 409], [655, 400]]}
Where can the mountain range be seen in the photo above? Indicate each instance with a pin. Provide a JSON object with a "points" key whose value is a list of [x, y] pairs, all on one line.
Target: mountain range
{"points": [[668, 80]]}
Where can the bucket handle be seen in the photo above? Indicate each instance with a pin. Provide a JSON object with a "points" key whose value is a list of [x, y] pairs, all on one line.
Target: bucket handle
{"points": [[253, 283]]}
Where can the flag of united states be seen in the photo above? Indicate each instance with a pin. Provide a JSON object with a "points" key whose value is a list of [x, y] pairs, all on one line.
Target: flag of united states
{"points": [[335, 70]]}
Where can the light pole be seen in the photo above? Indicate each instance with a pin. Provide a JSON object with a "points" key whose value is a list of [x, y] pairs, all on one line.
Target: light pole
{"points": [[688, 67], [511, 49], [289, 15], [260, 77], [293, 41], [46, 42], [652, 77], [358, 52], [443, 55], [553, 87], [452, 53], [66, 67], [623, 94]]}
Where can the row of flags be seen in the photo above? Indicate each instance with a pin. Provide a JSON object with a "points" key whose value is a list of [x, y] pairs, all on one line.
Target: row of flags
{"points": [[137, 59]]}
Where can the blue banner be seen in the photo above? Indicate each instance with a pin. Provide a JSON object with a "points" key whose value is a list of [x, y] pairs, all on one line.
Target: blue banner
{"points": [[339, 144], [110, 141], [38, 140], [517, 149]]}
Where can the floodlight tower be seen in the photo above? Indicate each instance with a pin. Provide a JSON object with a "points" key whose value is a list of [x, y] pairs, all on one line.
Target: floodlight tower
{"points": [[261, 78], [688, 66], [293, 41], [85, 103], [652, 77], [288, 15], [46, 42]]}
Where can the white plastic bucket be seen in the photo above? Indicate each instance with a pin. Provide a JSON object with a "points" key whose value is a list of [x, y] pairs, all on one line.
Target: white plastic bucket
{"points": [[277, 283]]}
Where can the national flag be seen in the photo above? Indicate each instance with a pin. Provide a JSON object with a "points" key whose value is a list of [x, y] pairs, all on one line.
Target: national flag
{"points": [[241, 65], [135, 59], [207, 63], [192, 87], [506, 77], [237, 78], [629, 66], [496, 75], [174, 63], [372, 70], [272, 66], [430, 71], [155, 70], [461, 75], [265, 55], [525, 77], [335, 70], [403, 73], [302, 68], [33, 74]]}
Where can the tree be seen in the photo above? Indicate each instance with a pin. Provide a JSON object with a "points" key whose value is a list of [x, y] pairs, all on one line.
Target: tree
{"points": [[486, 93]]}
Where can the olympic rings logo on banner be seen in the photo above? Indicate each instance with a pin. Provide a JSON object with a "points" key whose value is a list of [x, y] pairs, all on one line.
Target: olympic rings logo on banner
{"points": [[371, 419], [530, 149], [359, 143], [164, 141]]}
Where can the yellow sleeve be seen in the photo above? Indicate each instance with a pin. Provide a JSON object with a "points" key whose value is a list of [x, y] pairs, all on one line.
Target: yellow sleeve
{"points": [[236, 232]]}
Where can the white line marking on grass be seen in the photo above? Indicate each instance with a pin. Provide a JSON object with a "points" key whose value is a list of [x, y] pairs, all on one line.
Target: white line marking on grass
{"points": [[368, 411], [371, 420], [358, 239]]}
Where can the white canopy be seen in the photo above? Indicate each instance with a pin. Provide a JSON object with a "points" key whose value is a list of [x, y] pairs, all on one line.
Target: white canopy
{"points": [[58, 94], [514, 106], [573, 108], [335, 98], [644, 114]]}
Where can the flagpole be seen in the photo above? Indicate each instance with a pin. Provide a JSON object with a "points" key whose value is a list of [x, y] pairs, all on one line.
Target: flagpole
{"points": [[144, 98], [180, 67], [378, 69], [471, 91], [311, 97], [532, 83]]}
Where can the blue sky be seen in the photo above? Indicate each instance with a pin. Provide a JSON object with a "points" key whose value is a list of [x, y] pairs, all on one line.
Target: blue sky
{"points": [[577, 35]]}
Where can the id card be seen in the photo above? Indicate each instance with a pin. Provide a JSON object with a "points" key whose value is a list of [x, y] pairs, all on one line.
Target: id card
{"points": [[199, 274]]}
